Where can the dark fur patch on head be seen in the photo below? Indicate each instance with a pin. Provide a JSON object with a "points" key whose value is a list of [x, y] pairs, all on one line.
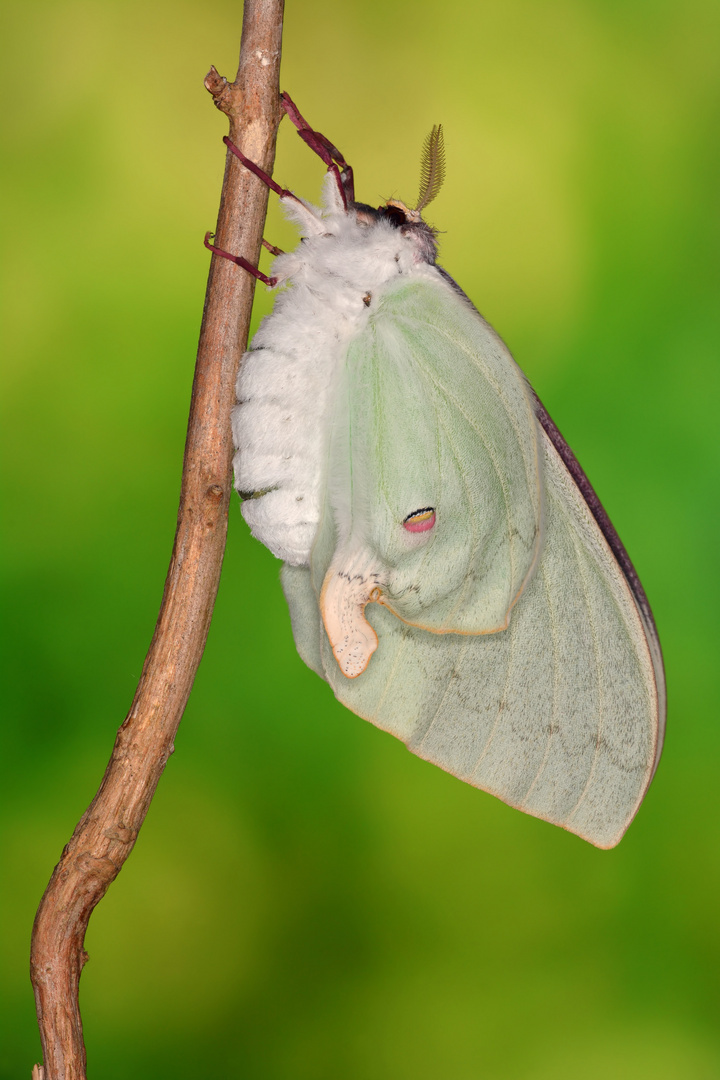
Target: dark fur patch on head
{"points": [[422, 235]]}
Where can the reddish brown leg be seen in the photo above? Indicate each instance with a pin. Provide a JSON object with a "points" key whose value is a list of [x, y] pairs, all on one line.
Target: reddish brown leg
{"points": [[238, 259], [324, 149], [267, 180]]}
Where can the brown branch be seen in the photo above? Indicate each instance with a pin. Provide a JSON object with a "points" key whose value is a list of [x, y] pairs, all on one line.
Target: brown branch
{"points": [[107, 831]]}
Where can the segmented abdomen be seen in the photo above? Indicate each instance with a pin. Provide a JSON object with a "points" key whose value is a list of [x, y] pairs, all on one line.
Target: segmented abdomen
{"points": [[279, 430]]}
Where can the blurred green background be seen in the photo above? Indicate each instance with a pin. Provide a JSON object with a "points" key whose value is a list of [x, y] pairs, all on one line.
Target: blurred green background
{"points": [[307, 900]]}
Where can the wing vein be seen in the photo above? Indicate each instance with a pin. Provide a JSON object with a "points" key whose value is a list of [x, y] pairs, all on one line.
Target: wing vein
{"points": [[491, 455], [551, 733], [475, 533], [501, 706], [601, 696], [489, 376], [436, 714], [390, 676]]}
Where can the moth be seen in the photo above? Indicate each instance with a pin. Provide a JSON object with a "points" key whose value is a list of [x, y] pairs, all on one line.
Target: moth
{"points": [[449, 570]]}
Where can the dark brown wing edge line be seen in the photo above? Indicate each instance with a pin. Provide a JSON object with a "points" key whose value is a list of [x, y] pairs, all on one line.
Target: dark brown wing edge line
{"points": [[596, 508], [605, 525], [622, 558]]}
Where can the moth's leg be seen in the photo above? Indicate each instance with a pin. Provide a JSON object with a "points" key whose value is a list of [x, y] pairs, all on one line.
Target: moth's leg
{"points": [[325, 150], [238, 259], [271, 248], [267, 180], [304, 211]]}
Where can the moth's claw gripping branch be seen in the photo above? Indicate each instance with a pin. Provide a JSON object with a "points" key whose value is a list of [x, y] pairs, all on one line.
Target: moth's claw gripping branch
{"points": [[239, 261]]}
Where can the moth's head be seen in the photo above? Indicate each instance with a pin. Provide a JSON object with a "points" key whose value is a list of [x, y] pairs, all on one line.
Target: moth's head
{"points": [[409, 220]]}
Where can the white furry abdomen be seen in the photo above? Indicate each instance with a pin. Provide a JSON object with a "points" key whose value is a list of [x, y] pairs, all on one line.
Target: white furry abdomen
{"points": [[280, 427], [287, 381]]}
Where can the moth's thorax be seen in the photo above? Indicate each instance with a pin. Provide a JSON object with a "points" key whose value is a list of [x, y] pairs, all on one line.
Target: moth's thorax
{"points": [[349, 266]]}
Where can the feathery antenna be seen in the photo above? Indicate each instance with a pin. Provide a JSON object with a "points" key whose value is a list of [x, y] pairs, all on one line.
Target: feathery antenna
{"points": [[432, 167]]}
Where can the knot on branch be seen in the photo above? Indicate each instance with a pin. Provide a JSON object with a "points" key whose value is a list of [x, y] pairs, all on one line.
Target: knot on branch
{"points": [[124, 833], [225, 95]]}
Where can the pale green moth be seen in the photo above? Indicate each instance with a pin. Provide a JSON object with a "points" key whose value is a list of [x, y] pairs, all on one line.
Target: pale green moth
{"points": [[449, 570]]}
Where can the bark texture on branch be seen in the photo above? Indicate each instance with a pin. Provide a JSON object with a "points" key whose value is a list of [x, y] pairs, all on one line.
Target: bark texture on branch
{"points": [[107, 831]]}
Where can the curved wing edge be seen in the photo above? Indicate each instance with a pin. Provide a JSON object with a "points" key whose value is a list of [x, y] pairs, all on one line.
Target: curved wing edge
{"points": [[622, 558]]}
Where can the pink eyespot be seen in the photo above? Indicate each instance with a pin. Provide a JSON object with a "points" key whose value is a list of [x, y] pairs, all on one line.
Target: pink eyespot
{"points": [[420, 520]]}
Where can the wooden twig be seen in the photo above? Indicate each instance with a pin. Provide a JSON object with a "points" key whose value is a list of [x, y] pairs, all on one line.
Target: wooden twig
{"points": [[107, 831]]}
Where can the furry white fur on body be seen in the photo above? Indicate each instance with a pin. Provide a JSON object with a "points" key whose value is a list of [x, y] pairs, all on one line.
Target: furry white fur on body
{"points": [[334, 282]]}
